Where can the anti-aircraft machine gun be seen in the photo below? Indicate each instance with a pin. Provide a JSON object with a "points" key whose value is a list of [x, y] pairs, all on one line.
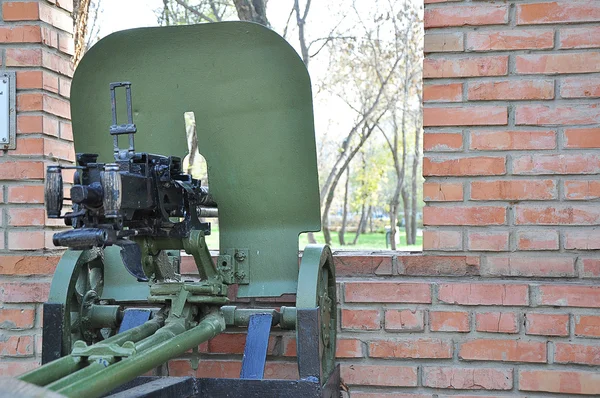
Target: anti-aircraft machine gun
{"points": [[118, 306]]}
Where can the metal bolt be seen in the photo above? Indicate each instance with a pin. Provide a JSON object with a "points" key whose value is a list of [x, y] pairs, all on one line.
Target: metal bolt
{"points": [[3, 139], [4, 80], [240, 256]]}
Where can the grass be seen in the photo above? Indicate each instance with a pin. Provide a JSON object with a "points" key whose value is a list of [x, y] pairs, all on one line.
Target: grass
{"points": [[369, 241]]}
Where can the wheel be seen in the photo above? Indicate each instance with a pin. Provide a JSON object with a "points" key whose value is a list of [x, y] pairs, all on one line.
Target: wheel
{"points": [[79, 275], [317, 289]]}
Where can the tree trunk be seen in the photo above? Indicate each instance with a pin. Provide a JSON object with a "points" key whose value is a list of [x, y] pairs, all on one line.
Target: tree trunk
{"points": [[393, 222], [345, 210], [252, 10], [370, 217], [361, 224], [406, 205]]}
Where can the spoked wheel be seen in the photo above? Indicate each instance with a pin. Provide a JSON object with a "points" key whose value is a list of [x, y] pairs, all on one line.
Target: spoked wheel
{"points": [[77, 283], [316, 289]]}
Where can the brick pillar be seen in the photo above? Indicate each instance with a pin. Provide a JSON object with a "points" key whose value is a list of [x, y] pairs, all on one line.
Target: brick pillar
{"points": [[512, 164], [36, 41]]}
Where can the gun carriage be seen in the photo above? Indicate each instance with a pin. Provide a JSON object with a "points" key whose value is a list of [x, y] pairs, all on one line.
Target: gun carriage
{"points": [[118, 306]]}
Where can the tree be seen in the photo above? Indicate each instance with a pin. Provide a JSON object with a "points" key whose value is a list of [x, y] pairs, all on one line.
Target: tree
{"points": [[181, 12]]}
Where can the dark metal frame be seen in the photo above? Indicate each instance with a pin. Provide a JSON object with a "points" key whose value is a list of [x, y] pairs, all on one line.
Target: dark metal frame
{"points": [[188, 387]]}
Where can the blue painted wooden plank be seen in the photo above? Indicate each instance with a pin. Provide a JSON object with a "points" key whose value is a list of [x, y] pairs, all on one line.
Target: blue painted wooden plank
{"points": [[257, 342], [134, 317]]}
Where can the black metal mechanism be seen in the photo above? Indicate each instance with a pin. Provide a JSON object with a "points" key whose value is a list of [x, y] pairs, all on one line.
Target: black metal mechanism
{"points": [[138, 195]]}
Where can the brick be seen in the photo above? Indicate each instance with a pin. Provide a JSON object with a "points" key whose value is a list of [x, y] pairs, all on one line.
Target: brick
{"points": [[66, 44], [557, 12], [590, 267], [233, 343], [514, 39], [465, 116], [57, 63], [558, 381], [361, 319], [66, 131], [29, 124], [496, 322], [25, 240], [473, 66], [379, 375], [420, 265], [442, 192], [587, 325], [17, 318], [511, 90], [49, 37], [514, 190], [65, 87], [547, 324], [467, 378], [413, 348], [560, 214], [348, 348], [21, 170], [446, 321], [20, 34], [559, 115], [17, 368], [440, 142], [29, 146], [582, 138], [577, 87], [65, 5], [586, 37], [56, 17], [404, 321], [484, 215], [444, 42], [549, 267], [28, 265], [350, 264], [16, 346], [442, 240], [50, 82], [503, 350], [442, 92], [29, 79], [584, 239], [357, 394], [549, 64], [466, 15], [59, 150], [206, 368], [26, 194], [472, 166], [17, 11], [556, 164], [387, 292], [569, 296], [57, 106], [29, 102], [537, 240], [23, 217], [488, 241], [22, 292], [21, 57], [483, 294], [512, 140]]}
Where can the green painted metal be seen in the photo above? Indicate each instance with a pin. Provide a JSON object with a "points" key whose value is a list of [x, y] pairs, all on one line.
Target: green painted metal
{"points": [[127, 369], [251, 97], [317, 289], [119, 284], [69, 364]]}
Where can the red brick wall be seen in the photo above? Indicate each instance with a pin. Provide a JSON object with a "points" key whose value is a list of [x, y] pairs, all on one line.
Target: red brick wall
{"points": [[36, 42], [504, 300]]}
